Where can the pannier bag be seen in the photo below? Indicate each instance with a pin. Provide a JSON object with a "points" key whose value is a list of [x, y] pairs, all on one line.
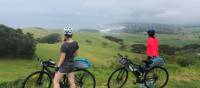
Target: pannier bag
{"points": [[157, 61], [82, 63]]}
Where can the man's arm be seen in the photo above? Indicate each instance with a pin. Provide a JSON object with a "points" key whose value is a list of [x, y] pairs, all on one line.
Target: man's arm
{"points": [[62, 58]]}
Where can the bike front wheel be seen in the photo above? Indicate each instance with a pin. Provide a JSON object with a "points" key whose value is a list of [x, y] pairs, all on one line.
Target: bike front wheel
{"points": [[156, 77], [39, 79], [118, 78]]}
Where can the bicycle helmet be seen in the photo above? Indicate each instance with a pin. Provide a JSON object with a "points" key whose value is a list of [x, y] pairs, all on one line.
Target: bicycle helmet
{"points": [[68, 31], [151, 32]]}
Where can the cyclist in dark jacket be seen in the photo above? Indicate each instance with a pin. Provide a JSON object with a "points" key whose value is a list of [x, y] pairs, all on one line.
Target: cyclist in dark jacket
{"points": [[68, 52]]}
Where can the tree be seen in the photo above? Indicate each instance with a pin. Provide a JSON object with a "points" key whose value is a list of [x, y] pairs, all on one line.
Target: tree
{"points": [[13, 42]]}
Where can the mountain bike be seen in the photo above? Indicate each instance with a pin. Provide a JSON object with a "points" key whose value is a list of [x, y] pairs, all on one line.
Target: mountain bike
{"points": [[151, 77], [43, 78]]}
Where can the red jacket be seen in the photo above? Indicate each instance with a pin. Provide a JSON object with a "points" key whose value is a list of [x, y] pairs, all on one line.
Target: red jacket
{"points": [[152, 47]]}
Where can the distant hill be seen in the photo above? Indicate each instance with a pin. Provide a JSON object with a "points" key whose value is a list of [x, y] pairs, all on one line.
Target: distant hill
{"points": [[141, 27], [192, 28], [88, 30], [37, 31]]}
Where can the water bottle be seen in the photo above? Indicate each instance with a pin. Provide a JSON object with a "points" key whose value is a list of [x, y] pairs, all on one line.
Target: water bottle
{"points": [[138, 71]]}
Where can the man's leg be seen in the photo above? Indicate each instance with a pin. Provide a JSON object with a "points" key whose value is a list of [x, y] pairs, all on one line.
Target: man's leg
{"points": [[71, 78], [57, 79]]}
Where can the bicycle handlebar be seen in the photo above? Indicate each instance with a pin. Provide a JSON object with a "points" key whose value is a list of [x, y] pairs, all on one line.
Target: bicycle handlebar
{"points": [[41, 62], [121, 56]]}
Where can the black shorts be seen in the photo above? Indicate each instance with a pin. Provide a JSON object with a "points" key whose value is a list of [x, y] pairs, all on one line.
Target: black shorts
{"points": [[67, 67]]}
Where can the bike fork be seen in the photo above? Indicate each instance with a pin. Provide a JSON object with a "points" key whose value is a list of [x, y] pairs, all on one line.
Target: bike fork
{"points": [[39, 80]]}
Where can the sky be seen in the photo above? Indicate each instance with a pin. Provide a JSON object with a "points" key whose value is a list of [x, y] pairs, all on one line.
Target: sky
{"points": [[94, 13]]}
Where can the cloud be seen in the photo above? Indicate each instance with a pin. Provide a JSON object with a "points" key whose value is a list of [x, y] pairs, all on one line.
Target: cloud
{"points": [[92, 13]]}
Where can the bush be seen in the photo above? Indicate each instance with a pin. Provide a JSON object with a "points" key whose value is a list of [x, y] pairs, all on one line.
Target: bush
{"points": [[104, 44], [184, 61], [114, 39], [51, 38], [88, 42], [169, 50], [15, 43], [190, 46], [138, 48], [123, 47]]}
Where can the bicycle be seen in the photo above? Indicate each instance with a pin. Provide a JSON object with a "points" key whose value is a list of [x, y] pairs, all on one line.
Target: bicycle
{"points": [[151, 77], [43, 78]]}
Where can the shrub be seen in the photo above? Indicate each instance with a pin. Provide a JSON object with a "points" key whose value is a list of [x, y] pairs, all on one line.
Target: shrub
{"points": [[138, 48], [88, 42], [190, 46], [123, 47], [104, 44], [169, 50], [51, 38], [184, 61], [114, 39]]}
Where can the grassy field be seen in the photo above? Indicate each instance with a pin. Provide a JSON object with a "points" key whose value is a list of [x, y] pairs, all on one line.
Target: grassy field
{"points": [[13, 69]]}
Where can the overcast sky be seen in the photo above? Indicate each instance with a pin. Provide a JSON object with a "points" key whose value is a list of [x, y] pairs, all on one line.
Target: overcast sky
{"points": [[94, 13]]}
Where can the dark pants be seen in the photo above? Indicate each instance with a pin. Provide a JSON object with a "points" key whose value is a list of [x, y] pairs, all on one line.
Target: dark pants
{"points": [[148, 61]]}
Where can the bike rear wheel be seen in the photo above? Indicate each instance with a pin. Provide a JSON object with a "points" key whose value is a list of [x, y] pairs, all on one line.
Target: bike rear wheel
{"points": [[84, 79], [156, 77], [39, 79], [118, 78]]}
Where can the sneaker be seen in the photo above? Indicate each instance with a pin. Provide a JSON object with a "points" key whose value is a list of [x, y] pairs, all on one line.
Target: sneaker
{"points": [[151, 84], [142, 85]]}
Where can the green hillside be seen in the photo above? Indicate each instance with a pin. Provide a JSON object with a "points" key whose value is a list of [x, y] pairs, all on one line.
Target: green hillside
{"points": [[101, 58], [38, 32]]}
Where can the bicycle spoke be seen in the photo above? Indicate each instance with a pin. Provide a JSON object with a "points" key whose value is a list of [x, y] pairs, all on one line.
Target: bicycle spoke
{"points": [[118, 78], [156, 78], [84, 79], [37, 81]]}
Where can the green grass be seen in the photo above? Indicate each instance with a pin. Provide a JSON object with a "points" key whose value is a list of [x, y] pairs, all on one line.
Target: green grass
{"points": [[12, 69]]}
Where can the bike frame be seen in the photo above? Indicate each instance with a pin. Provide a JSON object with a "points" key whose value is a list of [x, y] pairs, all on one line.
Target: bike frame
{"points": [[130, 68], [46, 69]]}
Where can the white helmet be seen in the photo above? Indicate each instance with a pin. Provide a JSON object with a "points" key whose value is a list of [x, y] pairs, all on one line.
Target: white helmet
{"points": [[68, 30]]}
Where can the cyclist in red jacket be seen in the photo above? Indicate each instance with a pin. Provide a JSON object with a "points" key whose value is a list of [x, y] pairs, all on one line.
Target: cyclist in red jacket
{"points": [[152, 47]]}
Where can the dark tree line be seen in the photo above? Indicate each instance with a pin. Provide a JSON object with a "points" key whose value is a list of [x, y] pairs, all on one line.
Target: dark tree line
{"points": [[51, 38], [117, 40], [14, 43], [114, 39], [164, 48]]}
